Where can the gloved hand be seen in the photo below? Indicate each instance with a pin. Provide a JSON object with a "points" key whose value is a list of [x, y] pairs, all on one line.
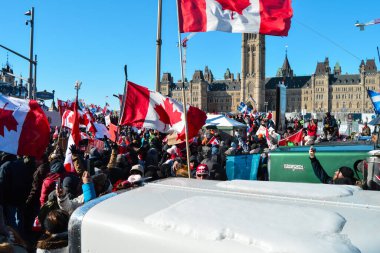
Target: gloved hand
{"points": [[74, 149]]}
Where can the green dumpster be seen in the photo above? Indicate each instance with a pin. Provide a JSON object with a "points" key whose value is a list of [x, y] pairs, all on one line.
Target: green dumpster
{"points": [[292, 164]]}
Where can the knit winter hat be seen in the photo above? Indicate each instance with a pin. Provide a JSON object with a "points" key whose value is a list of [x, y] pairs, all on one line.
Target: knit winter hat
{"points": [[56, 166], [202, 169], [137, 167], [94, 153], [346, 172]]}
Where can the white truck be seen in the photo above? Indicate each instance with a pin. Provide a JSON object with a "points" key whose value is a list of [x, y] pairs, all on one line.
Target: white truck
{"points": [[188, 215]]}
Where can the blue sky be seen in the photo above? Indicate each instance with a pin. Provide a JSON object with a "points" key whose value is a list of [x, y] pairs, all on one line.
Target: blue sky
{"points": [[91, 41]]}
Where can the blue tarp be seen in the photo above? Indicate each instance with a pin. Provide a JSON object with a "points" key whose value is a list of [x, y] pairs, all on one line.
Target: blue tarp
{"points": [[242, 167]]}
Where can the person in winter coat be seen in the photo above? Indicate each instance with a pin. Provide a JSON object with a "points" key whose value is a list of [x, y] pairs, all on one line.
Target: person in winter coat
{"points": [[15, 184], [344, 175], [33, 200], [57, 173], [366, 131], [211, 162], [311, 132], [117, 167], [10, 240], [92, 187], [55, 239]]}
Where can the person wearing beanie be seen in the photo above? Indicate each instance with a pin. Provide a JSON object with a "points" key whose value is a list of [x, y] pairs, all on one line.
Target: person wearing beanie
{"points": [[137, 169], [344, 175], [202, 172]]}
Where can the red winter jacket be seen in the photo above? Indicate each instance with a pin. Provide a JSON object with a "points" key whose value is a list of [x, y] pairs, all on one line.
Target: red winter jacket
{"points": [[48, 185]]}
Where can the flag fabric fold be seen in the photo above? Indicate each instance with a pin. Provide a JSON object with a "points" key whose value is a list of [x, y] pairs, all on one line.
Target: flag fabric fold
{"points": [[295, 138], [85, 118], [272, 17], [243, 108], [375, 98], [24, 128], [74, 139], [148, 109]]}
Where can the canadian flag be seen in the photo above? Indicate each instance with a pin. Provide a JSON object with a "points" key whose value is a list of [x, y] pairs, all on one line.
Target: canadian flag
{"points": [[64, 105], [213, 141], [270, 17], [148, 109], [85, 118], [74, 139], [24, 128]]}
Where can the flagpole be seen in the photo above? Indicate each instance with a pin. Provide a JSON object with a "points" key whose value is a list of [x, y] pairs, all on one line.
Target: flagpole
{"points": [[158, 48], [183, 94], [123, 100]]}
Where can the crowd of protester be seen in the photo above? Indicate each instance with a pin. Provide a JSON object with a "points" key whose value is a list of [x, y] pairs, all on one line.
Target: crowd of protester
{"points": [[37, 196]]}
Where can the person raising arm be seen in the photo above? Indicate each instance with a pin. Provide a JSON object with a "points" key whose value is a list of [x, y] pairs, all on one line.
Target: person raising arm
{"points": [[344, 175]]}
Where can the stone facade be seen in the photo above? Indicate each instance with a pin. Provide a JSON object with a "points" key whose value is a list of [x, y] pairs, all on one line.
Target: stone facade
{"points": [[325, 90], [9, 85]]}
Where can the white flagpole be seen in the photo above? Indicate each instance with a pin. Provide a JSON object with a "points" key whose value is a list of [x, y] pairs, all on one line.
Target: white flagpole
{"points": [[183, 94]]}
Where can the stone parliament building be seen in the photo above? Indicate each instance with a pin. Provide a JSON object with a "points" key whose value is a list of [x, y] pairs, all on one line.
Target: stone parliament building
{"points": [[325, 90]]}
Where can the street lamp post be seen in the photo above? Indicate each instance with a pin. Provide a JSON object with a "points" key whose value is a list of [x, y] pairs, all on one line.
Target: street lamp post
{"points": [[31, 86], [77, 86]]}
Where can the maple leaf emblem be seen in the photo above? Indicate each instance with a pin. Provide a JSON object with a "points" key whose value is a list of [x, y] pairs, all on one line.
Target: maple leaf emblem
{"points": [[7, 120], [166, 113], [234, 5]]}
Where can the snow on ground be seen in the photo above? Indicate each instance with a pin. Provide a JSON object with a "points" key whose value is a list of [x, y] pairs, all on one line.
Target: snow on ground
{"points": [[265, 226], [302, 190]]}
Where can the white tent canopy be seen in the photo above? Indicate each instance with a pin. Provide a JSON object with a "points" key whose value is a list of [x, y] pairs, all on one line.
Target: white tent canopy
{"points": [[222, 122]]}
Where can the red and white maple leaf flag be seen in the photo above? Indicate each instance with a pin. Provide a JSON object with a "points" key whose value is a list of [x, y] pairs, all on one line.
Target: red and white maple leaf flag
{"points": [[149, 109], [270, 17], [24, 128], [85, 118], [74, 138], [213, 141]]}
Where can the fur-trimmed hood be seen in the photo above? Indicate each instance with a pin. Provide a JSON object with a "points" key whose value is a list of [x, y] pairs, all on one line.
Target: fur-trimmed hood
{"points": [[54, 241]]}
